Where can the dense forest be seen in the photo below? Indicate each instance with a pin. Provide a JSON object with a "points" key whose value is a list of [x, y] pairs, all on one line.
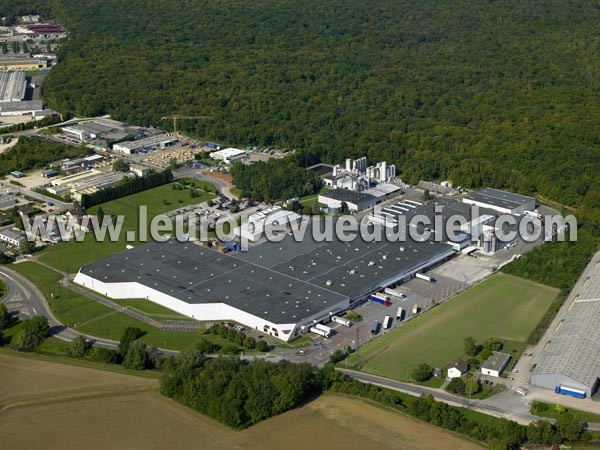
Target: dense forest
{"points": [[32, 153], [485, 93], [274, 180]]}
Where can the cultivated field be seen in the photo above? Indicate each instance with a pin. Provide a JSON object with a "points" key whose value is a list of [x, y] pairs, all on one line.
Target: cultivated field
{"points": [[72, 255], [503, 306], [82, 408]]}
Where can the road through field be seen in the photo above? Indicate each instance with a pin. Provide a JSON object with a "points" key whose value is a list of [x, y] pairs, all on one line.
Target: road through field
{"points": [[63, 407]]}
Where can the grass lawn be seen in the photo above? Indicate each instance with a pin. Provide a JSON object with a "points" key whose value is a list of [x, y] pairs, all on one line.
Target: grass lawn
{"points": [[308, 200], [503, 306], [3, 289], [551, 412], [150, 309], [70, 256], [99, 320]]}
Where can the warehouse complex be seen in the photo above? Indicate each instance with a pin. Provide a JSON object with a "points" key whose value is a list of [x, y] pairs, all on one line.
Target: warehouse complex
{"points": [[280, 288], [570, 358], [284, 287]]}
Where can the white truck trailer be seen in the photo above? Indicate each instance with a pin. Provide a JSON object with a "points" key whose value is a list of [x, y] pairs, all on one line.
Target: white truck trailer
{"points": [[320, 332], [427, 278], [395, 292], [341, 321], [387, 322], [400, 313], [325, 328]]}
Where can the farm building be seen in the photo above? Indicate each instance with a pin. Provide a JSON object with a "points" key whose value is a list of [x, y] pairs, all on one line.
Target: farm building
{"points": [[457, 370], [570, 356], [495, 364]]}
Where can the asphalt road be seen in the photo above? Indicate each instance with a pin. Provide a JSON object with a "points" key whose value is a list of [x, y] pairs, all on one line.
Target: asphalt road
{"points": [[27, 300]]}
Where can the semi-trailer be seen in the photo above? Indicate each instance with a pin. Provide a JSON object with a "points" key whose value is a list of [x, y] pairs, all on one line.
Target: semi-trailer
{"points": [[381, 299], [318, 331], [387, 322], [577, 393], [394, 292], [325, 328], [341, 321], [427, 278], [400, 313], [375, 327]]}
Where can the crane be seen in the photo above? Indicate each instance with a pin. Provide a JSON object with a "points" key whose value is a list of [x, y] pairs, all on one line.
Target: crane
{"points": [[174, 117]]}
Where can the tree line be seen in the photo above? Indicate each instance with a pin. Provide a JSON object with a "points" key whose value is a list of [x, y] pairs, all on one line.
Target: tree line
{"points": [[129, 186], [33, 153]]}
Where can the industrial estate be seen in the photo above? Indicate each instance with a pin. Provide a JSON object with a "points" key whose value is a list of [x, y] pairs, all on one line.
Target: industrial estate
{"points": [[436, 300]]}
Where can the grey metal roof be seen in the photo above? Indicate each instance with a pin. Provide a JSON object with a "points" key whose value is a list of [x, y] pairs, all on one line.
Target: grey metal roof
{"points": [[499, 198], [346, 195], [195, 274], [496, 361], [571, 347]]}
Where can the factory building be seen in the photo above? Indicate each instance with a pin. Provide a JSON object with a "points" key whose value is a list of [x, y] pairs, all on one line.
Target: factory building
{"points": [[355, 201], [22, 62], [501, 201], [13, 86], [98, 128], [570, 356], [254, 229], [280, 288], [357, 176], [229, 155], [142, 145]]}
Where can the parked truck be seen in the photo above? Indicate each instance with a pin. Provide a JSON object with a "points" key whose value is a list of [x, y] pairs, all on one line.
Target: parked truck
{"points": [[427, 278], [375, 327], [535, 214], [415, 308], [394, 292], [387, 322], [577, 393], [400, 313], [381, 298], [341, 321], [320, 332], [325, 328]]}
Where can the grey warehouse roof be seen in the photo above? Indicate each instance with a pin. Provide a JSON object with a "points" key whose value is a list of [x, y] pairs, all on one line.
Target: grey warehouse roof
{"points": [[496, 361], [346, 195], [572, 346], [502, 199], [195, 274]]}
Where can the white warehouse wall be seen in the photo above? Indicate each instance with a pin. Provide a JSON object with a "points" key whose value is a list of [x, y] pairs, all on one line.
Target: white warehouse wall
{"points": [[200, 311]]}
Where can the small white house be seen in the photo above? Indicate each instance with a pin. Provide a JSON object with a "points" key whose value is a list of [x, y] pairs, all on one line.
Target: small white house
{"points": [[495, 364], [457, 370]]}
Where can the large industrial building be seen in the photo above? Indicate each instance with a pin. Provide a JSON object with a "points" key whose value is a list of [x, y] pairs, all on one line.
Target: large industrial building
{"points": [[570, 356], [148, 143], [501, 201], [13, 86], [280, 288]]}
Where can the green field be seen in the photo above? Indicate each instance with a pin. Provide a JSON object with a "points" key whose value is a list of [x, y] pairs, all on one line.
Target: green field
{"points": [[549, 410], [3, 289], [70, 256], [101, 321], [150, 309], [502, 306]]}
